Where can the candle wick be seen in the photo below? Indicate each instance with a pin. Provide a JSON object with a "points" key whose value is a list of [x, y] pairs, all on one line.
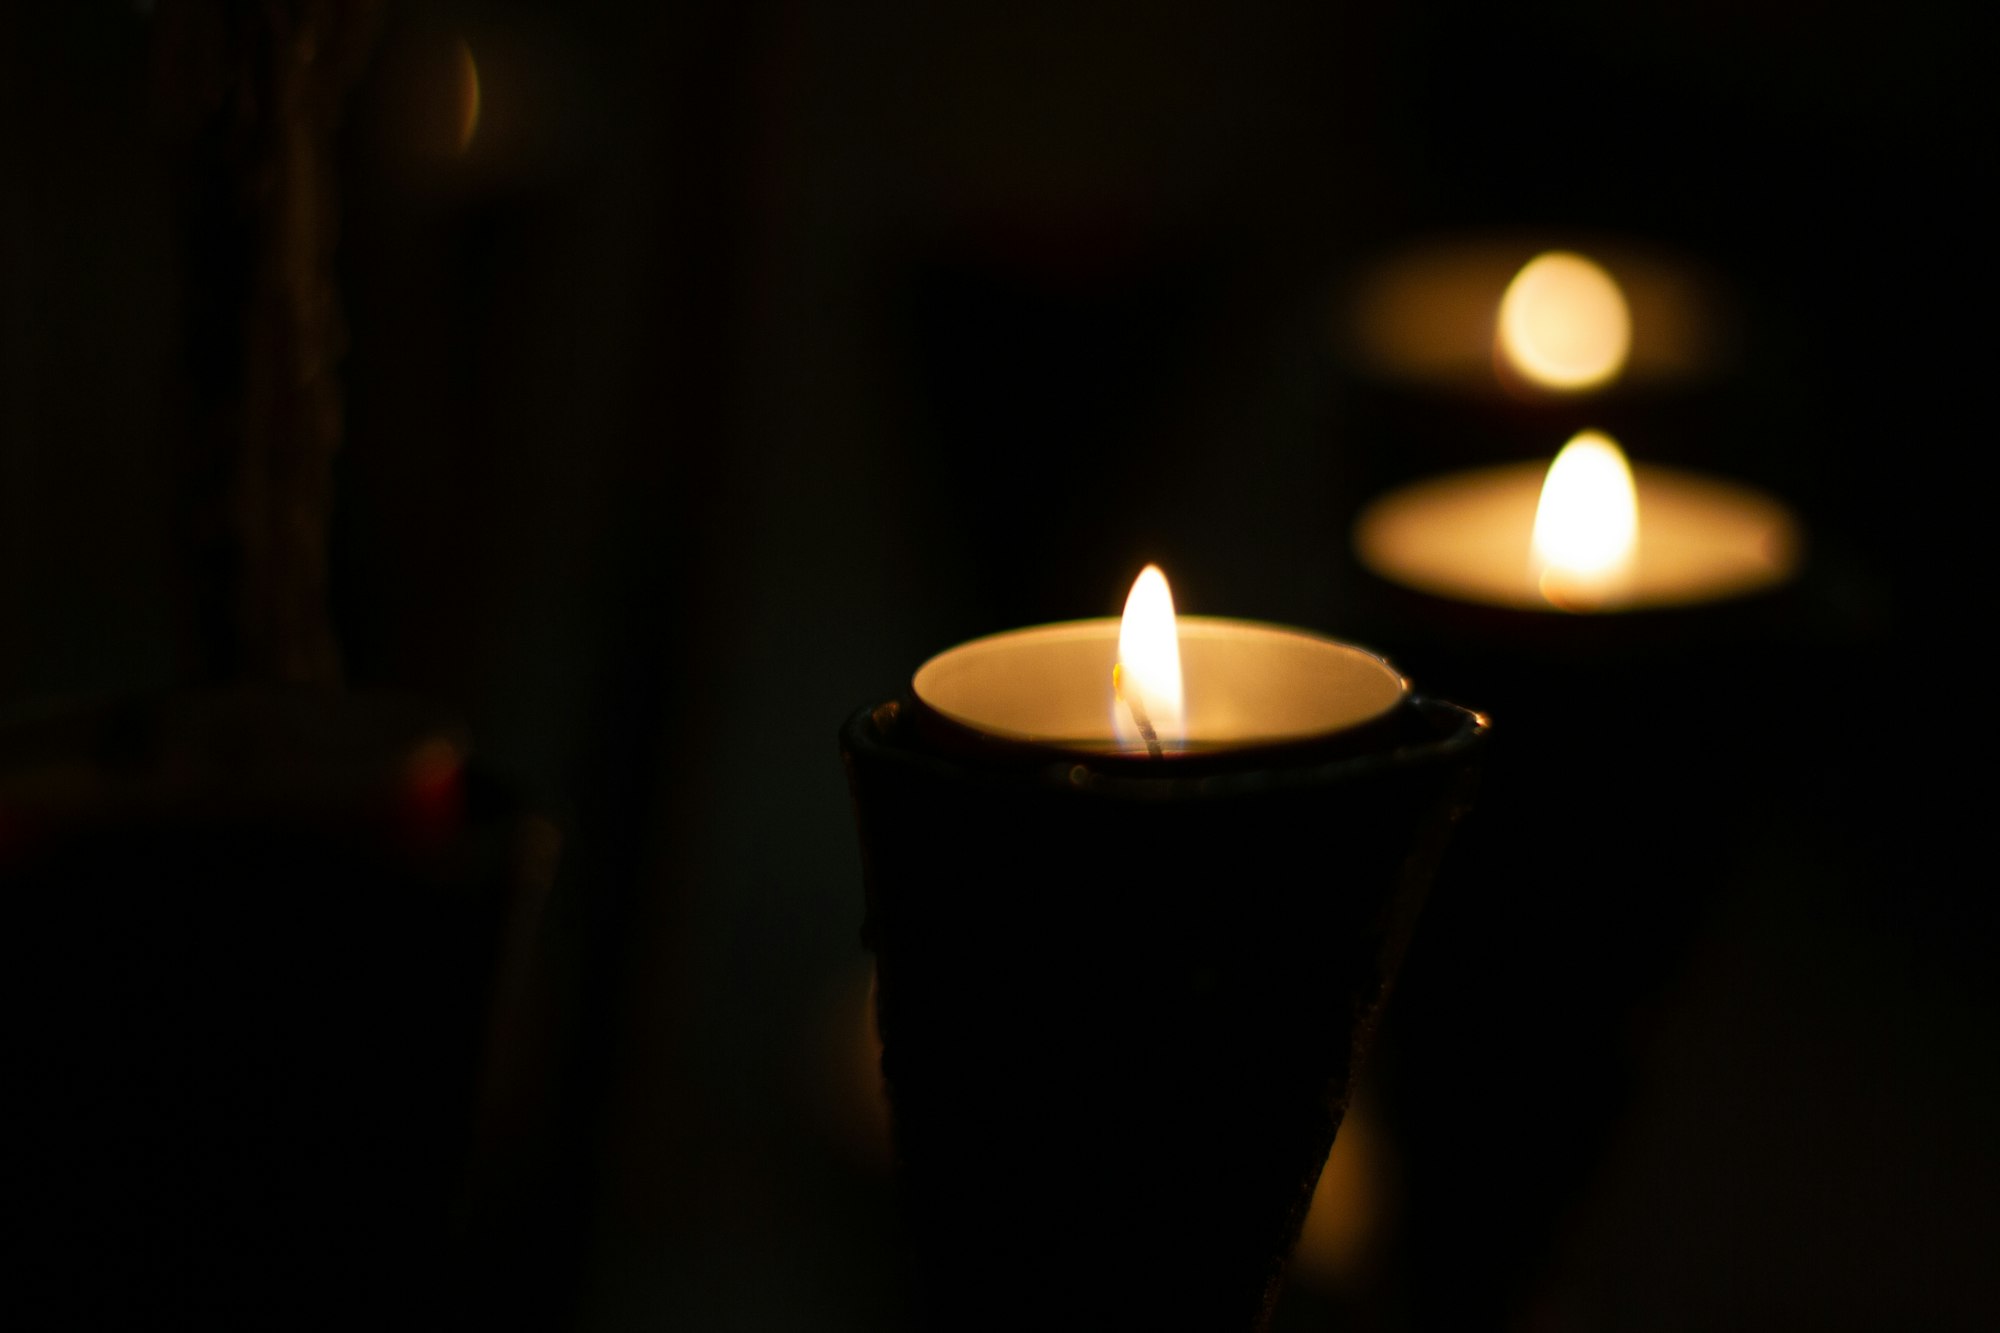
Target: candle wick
{"points": [[1138, 711]]}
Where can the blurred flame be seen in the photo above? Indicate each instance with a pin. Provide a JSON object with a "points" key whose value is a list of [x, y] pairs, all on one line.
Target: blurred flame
{"points": [[468, 96], [1146, 683], [1564, 323], [1587, 524]]}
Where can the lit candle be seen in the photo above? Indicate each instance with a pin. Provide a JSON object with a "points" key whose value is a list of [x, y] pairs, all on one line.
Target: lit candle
{"points": [[1205, 685], [1475, 316], [1533, 536], [1564, 323], [1129, 932], [1587, 533]]}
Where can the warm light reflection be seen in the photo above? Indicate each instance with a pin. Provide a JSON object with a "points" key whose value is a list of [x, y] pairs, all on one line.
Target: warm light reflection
{"points": [[1564, 323], [1587, 525], [1146, 704], [868, 1125], [1352, 1207], [468, 96]]}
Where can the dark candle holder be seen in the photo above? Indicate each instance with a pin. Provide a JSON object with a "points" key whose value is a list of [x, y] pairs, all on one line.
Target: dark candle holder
{"points": [[1617, 840], [1120, 1004]]}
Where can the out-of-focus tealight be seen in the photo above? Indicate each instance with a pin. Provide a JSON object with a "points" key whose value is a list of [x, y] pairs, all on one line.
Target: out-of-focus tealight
{"points": [[1564, 323], [1493, 315], [1613, 541]]}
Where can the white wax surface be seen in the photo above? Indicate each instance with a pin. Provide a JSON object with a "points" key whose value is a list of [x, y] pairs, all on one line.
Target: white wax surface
{"points": [[1466, 536], [1247, 684]]}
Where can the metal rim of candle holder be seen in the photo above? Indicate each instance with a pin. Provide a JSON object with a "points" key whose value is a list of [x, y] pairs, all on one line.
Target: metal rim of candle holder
{"points": [[1419, 731]]}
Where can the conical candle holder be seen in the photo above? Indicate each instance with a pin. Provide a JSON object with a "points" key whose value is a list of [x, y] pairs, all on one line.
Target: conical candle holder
{"points": [[1120, 1005]]}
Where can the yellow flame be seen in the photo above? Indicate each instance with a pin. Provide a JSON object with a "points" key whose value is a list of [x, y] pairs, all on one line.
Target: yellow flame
{"points": [[1587, 524], [468, 96], [1146, 683], [1564, 323]]}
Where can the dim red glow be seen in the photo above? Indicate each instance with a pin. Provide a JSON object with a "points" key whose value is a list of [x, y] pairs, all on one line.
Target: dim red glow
{"points": [[433, 796]]}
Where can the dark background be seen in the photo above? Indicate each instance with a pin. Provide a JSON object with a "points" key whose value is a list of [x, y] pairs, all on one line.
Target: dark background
{"points": [[751, 353]]}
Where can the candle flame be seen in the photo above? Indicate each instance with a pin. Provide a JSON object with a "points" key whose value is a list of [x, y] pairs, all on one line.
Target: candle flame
{"points": [[1564, 323], [1587, 525], [1146, 704]]}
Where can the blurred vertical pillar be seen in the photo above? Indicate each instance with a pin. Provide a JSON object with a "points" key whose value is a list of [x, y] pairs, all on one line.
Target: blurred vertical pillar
{"points": [[545, 330]]}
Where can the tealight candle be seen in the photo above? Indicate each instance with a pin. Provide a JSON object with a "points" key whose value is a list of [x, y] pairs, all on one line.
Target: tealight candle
{"points": [[1519, 536], [1484, 314], [1136, 892], [1492, 349], [1205, 685]]}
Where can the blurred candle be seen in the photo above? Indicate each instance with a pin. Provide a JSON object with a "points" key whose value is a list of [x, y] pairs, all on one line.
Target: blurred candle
{"points": [[1564, 323], [1475, 316], [1583, 534]]}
